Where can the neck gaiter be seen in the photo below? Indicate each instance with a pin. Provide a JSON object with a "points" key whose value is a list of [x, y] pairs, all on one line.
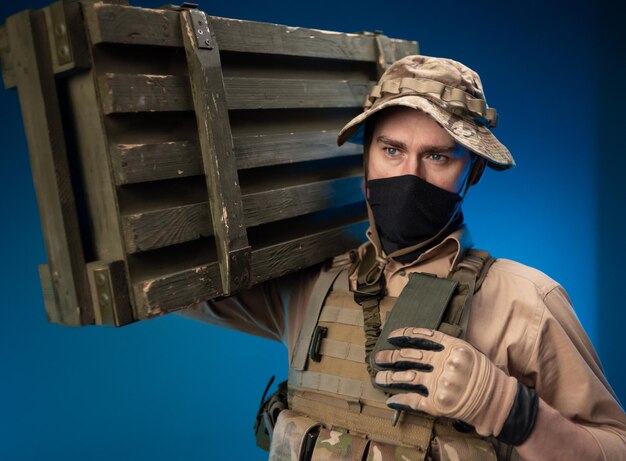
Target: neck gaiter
{"points": [[408, 210]]}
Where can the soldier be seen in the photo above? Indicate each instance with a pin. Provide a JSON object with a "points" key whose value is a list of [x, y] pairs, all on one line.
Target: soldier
{"points": [[415, 346]]}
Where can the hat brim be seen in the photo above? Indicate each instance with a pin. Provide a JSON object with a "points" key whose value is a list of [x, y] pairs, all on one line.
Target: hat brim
{"points": [[470, 134]]}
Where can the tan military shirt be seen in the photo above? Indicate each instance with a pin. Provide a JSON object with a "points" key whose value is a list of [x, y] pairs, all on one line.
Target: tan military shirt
{"points": [[521, 319]]}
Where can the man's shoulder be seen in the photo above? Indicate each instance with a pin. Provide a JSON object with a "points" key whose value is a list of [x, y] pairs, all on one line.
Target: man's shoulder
{"points": [[517, 276]]}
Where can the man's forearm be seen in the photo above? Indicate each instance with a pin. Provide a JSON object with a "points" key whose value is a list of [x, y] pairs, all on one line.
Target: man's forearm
{"points": [[555, 437]]}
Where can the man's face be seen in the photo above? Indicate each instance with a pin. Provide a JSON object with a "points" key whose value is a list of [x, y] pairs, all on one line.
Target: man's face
{"points": [[408, 141]]}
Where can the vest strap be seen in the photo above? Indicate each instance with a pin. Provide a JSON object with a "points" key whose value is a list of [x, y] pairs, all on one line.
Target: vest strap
{"points": [[422, 303], [340, 315], [471, 271], [369, 291], [371, 421], [316, 300]]}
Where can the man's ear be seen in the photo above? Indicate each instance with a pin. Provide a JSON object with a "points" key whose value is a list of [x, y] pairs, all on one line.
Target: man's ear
{"points": [[477, 170]]}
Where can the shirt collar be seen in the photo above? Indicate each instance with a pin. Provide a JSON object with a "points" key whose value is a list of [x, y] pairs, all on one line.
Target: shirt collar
{"points": [[452, 247]]}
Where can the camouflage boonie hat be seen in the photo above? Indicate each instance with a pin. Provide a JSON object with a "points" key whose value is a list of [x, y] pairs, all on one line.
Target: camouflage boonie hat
{"points": [[449, 92]]}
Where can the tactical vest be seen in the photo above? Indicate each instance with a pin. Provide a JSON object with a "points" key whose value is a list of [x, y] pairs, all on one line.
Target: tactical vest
{"points": [[335, 413]]}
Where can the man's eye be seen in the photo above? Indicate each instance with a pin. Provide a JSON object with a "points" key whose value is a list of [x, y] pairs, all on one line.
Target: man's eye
{"points": [[437, 157], [391, 151]]}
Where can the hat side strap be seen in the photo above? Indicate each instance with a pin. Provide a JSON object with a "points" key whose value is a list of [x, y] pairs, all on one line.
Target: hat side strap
{"points": [[434, 89]]}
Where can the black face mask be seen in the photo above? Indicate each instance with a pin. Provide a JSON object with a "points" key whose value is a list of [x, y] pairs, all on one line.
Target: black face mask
{"points": [[409, 211]]}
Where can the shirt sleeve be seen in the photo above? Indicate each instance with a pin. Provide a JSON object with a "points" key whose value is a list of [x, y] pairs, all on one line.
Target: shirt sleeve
{"points": [[273, 309], [566, 372]]}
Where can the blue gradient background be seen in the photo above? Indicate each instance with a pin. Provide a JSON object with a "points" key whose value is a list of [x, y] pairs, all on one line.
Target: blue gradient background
{"points": [[171, 388]]}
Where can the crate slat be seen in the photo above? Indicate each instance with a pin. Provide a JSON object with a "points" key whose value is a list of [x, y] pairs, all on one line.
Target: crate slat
{"points": [[136, 163], [141, 26], [275, 93], [158, 228], [127, 93], [277, 149], [170, 292]]}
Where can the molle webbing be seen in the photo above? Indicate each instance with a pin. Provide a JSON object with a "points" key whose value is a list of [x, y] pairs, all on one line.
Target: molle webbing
{"points": [[340, 315], [374, 422], [318, 295], [343, 350], [333, 384]]}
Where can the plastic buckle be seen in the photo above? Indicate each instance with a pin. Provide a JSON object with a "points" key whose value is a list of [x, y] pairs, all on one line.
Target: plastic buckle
{"points": [[366, 292]]}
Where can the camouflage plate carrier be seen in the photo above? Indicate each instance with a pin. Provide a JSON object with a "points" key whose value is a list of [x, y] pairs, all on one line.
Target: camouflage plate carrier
{"points": [[335, 412]]}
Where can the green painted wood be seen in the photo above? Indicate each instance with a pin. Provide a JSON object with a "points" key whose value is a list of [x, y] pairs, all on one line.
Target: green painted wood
{"points": [[142, 26], [216, 145], [49, 163], [110, 293], [153, 229], [254, 151], [49, 296], [169, 292], [159, 228], [281, 258], [274, 93], [8, 73], [123, 93], [136, 163], [144, 93]]}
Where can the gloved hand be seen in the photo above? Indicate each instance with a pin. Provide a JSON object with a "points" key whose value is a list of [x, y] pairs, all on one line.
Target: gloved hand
{"points": [[446, 376]]}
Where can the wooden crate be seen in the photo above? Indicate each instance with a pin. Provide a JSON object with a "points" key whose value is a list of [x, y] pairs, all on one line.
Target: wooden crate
{"points": [[178, 156]]}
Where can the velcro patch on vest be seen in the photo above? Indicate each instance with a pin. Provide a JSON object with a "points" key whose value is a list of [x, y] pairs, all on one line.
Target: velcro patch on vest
{"points": [[422, 304]]}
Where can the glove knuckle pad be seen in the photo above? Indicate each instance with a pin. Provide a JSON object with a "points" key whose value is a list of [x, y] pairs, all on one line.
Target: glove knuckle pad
{"points": [[453, 380]]}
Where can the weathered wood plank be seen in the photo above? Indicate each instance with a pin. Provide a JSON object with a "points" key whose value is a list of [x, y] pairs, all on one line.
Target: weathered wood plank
{"points": [[49, 296], [156, 229], [170, 292], [278, 204], [123, 93], [135, 163], [50, 168], [173, 291], [159, 228], [279, 259], [92, 144], [267, 38], [66, 36], [144, 93], [216, 145], [277, 149], [131, 25], [8, 73], [274, 93], [110, 293]]}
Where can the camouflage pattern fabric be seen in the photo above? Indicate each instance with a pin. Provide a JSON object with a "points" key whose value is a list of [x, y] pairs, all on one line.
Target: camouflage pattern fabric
{"points": [[448, 91], [334, 445], [462, 449], [288, 437], [384, 452]]}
